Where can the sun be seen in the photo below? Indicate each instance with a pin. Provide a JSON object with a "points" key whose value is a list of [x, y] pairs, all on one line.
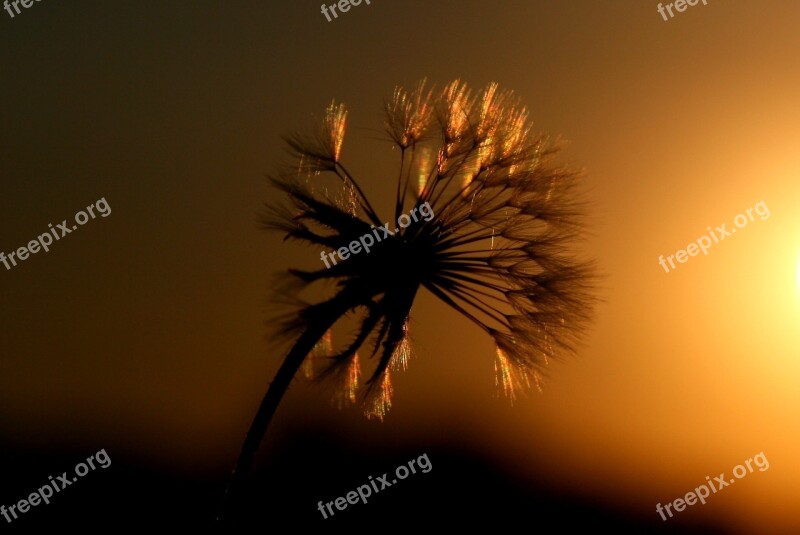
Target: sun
{"points": [[798, 273]]}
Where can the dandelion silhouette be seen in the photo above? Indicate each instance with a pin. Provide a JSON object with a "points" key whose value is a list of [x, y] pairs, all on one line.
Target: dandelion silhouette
{"points": [[500, 249]]}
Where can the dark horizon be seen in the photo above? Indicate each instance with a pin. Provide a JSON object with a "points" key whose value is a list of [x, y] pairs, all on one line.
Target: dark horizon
{"points": [[145, 332]]}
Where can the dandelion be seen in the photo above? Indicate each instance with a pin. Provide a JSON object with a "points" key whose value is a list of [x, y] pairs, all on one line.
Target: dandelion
{"points": [[499, 251]]}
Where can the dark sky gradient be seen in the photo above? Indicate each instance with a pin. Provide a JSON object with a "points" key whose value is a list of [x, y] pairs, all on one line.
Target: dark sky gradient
{"points": [[144, 332]]}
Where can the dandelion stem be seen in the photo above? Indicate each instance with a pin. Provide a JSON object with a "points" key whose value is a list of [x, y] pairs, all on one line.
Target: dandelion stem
{"points": [[329, 312]]}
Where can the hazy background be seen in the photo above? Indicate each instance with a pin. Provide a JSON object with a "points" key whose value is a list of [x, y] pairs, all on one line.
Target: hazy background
{"points": [[144, 332]]}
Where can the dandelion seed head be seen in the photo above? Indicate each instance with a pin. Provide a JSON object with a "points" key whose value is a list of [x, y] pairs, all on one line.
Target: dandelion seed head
{"points": [[498, 247]]}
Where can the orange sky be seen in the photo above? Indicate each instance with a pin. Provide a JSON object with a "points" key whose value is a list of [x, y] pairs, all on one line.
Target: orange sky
{"points": [[150, 323]]}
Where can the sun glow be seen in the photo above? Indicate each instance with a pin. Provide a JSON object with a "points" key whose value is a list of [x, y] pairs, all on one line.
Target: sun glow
{"points": [[798, 273]]}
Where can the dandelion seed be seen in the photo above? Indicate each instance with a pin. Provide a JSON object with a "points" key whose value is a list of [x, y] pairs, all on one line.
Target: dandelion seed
{"points": [[347, 394], [378, 405], [335, 119], [323, 348], [402, 353], [456, 97], [308, 367], [508, 377], [424, 168], [408, 115]]}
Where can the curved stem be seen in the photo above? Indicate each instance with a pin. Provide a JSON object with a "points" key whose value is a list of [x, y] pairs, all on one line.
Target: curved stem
{"points": [[329, 312]]}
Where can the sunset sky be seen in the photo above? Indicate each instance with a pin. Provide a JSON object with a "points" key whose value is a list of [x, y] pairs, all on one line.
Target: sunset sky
{"points": [[144, 332]]}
